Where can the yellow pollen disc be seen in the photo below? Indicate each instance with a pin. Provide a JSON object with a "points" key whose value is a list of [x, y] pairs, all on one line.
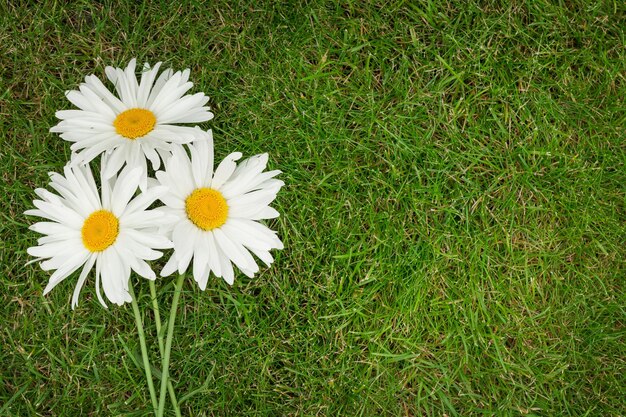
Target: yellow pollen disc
{"points": [[100, 230], [134, 123], [206, 208]]}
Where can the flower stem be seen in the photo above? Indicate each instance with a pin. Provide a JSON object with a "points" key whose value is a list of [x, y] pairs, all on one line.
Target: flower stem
{"points": [[168, 344], [144, 350], [157, 319]]}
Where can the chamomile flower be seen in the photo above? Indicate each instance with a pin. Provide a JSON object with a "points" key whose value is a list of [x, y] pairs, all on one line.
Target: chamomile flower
{"points": [[218, 212], [138, 123], [112, 230]]}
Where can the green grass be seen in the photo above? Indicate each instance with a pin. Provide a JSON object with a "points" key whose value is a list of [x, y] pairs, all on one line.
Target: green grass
{"points": [[454, 216]]}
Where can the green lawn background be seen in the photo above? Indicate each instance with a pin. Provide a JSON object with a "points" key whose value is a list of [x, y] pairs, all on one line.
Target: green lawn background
{"points": [[454, 216]]}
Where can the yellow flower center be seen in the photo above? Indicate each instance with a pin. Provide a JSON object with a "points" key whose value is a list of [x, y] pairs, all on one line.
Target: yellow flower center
{"points": [[206, 208], [100, 230], [134, 123]]}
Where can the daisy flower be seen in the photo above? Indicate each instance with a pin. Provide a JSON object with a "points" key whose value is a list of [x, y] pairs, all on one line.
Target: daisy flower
{"points": [[136, 124], [111, 230], [218, 212]]}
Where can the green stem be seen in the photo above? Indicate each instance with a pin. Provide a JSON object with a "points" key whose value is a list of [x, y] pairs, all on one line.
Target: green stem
{"points": [[144, 350], [157, 315], [168, 343], [157, 319]]}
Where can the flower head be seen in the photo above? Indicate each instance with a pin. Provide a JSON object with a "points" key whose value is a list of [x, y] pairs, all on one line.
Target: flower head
{"points": [[218, 212], [112, 230], [138, 123]]}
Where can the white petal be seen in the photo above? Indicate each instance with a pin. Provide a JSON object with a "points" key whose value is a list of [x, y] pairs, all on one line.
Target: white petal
{"points": [[170, 93], [97, 104], [49, 250], [179, 171], [125, 187], [256, 234], [263, 255], [173, 201], [188, 109], [80, 101], [250, 204], [62, 256], [50, 228], [131, 81], [60, 214], [184, 236], [126, 240], [81, 279], [87, 186], [113, 277], [173, 134], [96, 85], [148, 240], [148, 218], [202, 159], [158, 85], [105, 186], [258, 182], [169, 267], [265, 213], [224, 170], [115, 161], [200, 259], [72, 236], [98, 274], [60, 274], [145, 199], [233, 250], [242, 179], [227, 268], [151, 154], [147, 79], [174, 189], [204, 279], [90, 153], [142, 269], [214, 255]]}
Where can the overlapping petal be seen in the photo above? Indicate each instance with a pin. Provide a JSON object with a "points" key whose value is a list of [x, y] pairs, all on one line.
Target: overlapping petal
{"points": [[63, 250], [91, 128], [248, 191]]}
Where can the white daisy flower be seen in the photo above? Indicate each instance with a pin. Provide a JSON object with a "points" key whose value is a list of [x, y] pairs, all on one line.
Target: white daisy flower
{"points": [[112, 231], [137, 124], [218, 212]]}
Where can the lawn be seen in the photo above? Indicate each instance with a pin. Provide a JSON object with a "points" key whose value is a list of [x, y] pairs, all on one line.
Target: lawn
{"points": [[454, 212]]}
